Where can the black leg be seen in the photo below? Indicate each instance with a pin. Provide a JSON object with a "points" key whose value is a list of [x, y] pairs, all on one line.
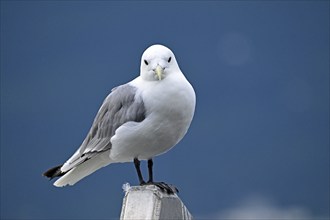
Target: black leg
{"points": [[150, 163], [170, 189], [138, 170]]}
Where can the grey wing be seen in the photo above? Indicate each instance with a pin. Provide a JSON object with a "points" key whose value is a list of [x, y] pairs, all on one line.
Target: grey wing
{"points": [[121, 106]]}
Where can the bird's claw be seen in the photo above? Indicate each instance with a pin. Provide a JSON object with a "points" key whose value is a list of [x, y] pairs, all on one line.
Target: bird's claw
{"points": [[164, 187]]}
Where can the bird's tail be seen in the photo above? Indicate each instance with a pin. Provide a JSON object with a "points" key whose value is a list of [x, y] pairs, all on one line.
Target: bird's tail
{"points": [[77, 173]]}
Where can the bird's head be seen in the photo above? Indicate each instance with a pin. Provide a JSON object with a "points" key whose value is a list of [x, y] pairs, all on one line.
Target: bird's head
{"points": [[157, 62]]}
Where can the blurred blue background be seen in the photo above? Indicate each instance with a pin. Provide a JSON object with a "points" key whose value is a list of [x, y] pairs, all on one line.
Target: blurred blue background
{"points": [[260, 134]]}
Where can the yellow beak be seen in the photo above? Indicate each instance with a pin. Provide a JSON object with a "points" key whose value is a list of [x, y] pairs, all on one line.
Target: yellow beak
{"points": [[159, 71]]}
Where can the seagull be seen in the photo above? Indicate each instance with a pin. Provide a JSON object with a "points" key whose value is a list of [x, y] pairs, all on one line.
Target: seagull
{"points": [[137, 121]]}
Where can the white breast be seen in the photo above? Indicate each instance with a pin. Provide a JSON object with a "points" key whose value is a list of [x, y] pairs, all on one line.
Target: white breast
{"points": [[170, 105]]}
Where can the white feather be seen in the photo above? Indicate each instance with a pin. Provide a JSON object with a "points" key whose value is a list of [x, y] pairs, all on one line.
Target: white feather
{"points": [[84, 169]]}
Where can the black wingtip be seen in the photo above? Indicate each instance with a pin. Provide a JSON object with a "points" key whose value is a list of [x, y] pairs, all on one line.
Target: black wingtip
{"points": [[54, 172]]}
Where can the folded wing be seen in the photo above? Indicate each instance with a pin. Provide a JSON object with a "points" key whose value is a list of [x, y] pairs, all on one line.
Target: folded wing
{"points": [[122, 105]]}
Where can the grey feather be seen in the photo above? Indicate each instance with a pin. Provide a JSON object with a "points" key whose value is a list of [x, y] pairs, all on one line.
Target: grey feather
{"points": [[121, 106]]}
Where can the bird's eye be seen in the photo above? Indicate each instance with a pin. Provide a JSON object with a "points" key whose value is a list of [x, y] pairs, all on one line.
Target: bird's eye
{"points": [[146, 62], [169, 59]]}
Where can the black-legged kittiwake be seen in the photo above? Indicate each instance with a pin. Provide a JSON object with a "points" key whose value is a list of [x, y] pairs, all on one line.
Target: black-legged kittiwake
{"points": [[137, 121]]}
